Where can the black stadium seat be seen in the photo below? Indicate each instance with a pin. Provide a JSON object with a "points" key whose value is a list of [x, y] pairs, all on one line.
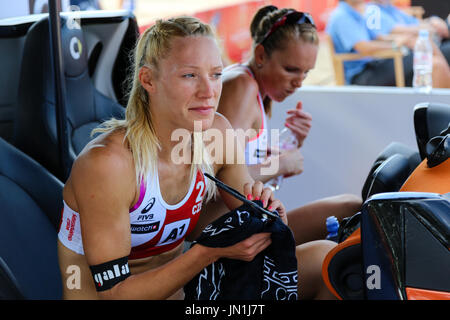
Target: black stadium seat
{"points": [[9, 288], [390, 169], [35, 125], [31, 204], [394, 164], [429, 120], [390, 175]]}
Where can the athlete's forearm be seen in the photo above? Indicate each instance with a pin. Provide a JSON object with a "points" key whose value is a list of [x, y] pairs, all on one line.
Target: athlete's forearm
{"points": [[265, 171], [162, 282], [371, 47]]}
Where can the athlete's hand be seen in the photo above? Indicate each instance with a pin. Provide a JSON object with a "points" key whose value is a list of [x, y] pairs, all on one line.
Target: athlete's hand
{"points": [[247, 249], [299, 122], [291, 162], [439, 26], [256, 191], [288, 162]]}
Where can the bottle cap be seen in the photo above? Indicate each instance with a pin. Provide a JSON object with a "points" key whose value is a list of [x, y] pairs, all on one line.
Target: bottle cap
{"points": [[332, 224]]}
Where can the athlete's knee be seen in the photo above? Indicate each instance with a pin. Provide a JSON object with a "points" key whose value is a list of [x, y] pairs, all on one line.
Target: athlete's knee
{"points": [[440, 64], [324, 247], [317, 250], [351, 201]]}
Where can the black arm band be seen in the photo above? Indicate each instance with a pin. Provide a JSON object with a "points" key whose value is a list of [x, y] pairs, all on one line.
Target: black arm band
{"points": [[108, 274]]}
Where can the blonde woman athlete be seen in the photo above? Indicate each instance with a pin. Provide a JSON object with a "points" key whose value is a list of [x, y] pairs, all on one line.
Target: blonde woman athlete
{"points": [[129, 204]]}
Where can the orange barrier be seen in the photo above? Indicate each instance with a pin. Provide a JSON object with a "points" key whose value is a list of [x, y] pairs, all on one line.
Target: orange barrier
{"points": [[424, 179], [421, 294], [402, 3], [320, 10], [232, 23], [353, 240]]}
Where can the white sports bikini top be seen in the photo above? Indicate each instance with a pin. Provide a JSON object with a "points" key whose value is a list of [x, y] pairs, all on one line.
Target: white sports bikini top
{"points": [[156, 226], [256, 148]]}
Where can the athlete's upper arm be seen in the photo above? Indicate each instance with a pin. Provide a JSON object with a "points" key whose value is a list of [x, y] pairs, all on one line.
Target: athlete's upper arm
{"points": [[233, 171], [103, 191], [237, 101]]}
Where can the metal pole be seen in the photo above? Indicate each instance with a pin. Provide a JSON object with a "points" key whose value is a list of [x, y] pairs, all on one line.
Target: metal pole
{"points": [[60, 87]]}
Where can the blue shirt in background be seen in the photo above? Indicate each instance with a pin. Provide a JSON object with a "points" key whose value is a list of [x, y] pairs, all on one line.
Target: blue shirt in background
{"points": [[390, 17], [347, 27]]}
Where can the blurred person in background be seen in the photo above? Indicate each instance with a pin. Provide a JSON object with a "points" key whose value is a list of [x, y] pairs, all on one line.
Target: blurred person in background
{"points": [[285, 46], [129, 5], [394, 22], [352, 32], [86, 4]]}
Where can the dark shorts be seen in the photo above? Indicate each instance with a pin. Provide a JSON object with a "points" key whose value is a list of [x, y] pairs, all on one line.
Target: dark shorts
{"points": [[381, 72]]}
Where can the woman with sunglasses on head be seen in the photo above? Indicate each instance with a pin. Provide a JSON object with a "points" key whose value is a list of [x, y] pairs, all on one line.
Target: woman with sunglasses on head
{"points": [[285, 46], [130, 202]]}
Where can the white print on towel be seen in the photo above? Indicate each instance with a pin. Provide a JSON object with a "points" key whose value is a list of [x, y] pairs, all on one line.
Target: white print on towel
{"points": [[210, 230], [284, 284], [209, 280]]}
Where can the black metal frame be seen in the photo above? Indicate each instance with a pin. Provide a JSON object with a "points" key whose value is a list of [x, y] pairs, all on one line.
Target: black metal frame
{"points": [[60, 87]]}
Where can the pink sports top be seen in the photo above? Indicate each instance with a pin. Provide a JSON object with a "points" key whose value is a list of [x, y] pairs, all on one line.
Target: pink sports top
{"points": [[156, 226]]}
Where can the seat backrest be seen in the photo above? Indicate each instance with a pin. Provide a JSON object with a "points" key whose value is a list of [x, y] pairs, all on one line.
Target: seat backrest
{"points": [[338, 60], [31, 201], [390, 175], [390, 169], [433, 174], [35, 124], [338, 66], [429, 120], [9, 288]]}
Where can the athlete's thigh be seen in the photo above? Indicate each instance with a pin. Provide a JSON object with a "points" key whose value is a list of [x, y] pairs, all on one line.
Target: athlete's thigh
{"points": [[310, 257]]}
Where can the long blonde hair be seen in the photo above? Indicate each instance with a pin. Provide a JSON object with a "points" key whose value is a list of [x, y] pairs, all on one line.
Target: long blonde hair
{"points": [[152, 46]]}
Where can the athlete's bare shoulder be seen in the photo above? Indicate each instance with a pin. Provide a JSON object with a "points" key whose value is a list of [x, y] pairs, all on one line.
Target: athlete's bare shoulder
{"points": [[106, 163], [238, 101], [239, 79]]}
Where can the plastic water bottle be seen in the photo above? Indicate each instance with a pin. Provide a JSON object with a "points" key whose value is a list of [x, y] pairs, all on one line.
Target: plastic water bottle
{"points": [[287, 141], [423, 63], [332, 228]]}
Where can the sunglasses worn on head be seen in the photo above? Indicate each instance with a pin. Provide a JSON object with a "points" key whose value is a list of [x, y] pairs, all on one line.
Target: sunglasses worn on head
{"points": [[290, 17]]}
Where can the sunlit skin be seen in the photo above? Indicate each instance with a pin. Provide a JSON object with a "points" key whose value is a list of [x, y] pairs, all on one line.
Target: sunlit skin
{"points": [[285, 70], [184, 88], [277, 75], [190, 84]]}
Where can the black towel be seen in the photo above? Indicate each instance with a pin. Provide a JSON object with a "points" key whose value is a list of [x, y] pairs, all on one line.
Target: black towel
{"points": [[271, 275]]}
